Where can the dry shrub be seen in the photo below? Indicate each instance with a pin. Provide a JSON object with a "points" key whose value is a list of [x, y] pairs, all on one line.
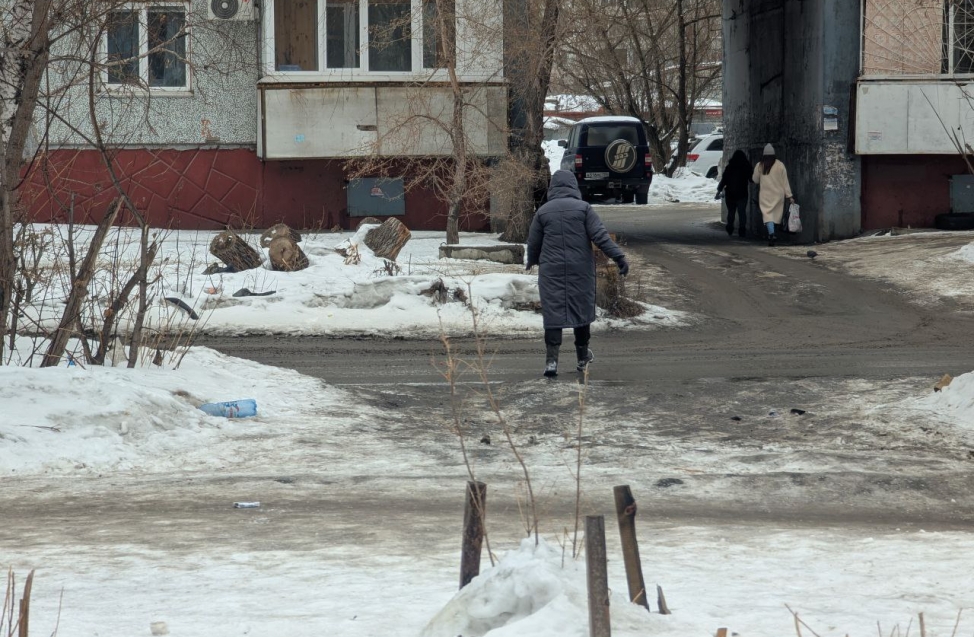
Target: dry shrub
{"points": [[610, 293], [610, 288]]}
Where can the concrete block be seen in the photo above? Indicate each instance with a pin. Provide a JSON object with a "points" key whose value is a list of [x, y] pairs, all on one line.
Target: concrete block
{"points": [[509, 253]]}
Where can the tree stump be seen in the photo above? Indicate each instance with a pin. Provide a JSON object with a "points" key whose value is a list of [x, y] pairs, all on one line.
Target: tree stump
{"points": [[388, 239], [279, 230], [286, 255], [230, 248]]}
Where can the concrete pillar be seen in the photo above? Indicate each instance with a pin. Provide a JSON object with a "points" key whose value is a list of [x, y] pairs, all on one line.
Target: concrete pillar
{"points": [[789, 64]]}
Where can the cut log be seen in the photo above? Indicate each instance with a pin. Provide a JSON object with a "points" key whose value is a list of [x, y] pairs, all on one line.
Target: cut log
{"points": [[230, 248], [286, 255], [279, 230], [388, 239]]}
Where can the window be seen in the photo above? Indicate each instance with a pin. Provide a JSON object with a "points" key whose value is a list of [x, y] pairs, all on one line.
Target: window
{"points": [[123, 47], [371, 36], [958, 36], [605, 135], [296, 35], [147, 47], [717, 144], [390, 32], [167, 47], [342, 25], [439, 36]]}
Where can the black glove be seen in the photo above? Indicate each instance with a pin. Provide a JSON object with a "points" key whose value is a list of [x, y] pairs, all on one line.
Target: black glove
{"points": [[719, 195], [528, 267], [623, 266]]}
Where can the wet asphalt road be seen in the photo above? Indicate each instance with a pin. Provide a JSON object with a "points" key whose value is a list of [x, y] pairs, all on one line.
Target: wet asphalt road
{"points": [[694, 403], [757, 315], [769, 333]]}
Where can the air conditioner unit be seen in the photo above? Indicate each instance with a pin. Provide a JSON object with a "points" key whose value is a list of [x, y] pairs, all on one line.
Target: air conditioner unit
{"points": [[231, 10]]}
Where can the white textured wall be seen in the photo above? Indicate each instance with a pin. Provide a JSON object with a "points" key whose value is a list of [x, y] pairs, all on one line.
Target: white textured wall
{"points": [[220, 108]]}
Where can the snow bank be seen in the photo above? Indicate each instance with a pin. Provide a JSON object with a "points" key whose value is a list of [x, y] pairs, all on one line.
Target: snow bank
{"points": [[554, 153], [954, 403], [367, 296], [64, 419], [684, 186], [965, 254], [530, 592]]}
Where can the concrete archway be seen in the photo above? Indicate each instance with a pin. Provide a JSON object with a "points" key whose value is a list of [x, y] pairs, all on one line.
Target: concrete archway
{"points": [[790, 70]]}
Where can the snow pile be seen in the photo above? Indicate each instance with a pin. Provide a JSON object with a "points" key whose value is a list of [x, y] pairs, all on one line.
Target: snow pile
{"points": [[684, 186], [568, 103], [954, 403], [529, 592], [63, 419], [363, 296], [554, 153], [965, 254]]}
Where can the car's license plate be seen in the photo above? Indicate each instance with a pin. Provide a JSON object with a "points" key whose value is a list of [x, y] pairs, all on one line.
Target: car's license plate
{"points": [[596, 175]]}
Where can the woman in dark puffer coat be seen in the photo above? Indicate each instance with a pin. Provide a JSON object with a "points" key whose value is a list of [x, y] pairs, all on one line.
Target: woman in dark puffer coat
{"points": [[734, 184], [560, 242]]}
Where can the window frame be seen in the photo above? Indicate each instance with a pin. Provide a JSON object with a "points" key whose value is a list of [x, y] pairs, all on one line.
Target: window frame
{"points": [[142, 9], [950, 53], [362, 72]]}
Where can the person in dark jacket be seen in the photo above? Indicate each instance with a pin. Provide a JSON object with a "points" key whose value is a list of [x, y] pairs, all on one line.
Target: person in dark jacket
{"points": [[560, 242], [734, 185]]}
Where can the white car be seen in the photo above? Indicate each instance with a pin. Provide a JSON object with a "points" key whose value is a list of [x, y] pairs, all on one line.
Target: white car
{"points": [[704, 158]]}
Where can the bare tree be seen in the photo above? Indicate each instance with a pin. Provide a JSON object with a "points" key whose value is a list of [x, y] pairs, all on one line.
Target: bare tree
{"points": [[23, 60], [58, 83], [532, 33], [652, 59]]}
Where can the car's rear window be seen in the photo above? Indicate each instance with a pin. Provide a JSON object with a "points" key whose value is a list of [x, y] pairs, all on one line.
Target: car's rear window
{"points": [[603, 135]]}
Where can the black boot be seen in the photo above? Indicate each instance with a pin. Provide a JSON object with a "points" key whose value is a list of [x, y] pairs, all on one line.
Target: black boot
{"points": [[551, 361], [585, 356], [771, 239]]}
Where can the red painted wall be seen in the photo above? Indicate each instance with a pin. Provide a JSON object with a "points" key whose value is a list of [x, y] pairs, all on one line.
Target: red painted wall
{"points": [[906, 190], [210, 189]]}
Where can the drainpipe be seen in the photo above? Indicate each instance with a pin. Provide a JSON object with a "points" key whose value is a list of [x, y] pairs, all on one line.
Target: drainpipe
{"points": [[862, 37], [259, 5]]}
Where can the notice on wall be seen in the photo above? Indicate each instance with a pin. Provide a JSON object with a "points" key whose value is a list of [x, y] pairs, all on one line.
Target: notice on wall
{"points": [[830, 117]]}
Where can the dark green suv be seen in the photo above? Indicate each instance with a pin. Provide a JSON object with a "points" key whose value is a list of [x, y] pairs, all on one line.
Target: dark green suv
{"points": [[610, 157]]}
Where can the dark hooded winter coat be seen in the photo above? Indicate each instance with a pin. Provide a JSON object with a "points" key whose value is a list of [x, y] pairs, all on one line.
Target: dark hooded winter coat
{"points": [[736, 178], [560, 242]]}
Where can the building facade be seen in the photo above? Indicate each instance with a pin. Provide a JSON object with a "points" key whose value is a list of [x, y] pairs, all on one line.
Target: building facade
{"points": [[870, 104], [915, 110], [311, 112]]}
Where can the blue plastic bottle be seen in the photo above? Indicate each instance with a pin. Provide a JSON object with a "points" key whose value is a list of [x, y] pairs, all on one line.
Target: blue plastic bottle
{"points": [[233, 409]]}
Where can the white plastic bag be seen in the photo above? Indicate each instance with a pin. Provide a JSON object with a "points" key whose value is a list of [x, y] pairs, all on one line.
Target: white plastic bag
{"points": [[794, 218]]}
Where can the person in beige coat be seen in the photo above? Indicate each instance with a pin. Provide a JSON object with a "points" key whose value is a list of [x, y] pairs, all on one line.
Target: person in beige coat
{"points": [[772, 179]]}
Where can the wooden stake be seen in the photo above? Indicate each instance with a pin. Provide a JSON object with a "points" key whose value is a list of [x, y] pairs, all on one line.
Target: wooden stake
{"points": [[474, 513], [626, 512], [598, 577], [721, 632], [24, 622], [661, 601]]}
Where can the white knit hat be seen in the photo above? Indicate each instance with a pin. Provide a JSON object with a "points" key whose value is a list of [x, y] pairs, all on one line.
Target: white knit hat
{"points": [[768, 150]]}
